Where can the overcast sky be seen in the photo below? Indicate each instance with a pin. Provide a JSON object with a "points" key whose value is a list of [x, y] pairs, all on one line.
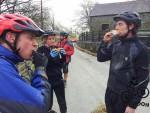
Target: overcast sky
{"points": [[65, 11]]}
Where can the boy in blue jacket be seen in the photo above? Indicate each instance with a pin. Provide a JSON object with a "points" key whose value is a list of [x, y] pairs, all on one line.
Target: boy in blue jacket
{"points": [[56, 58], [17, 43]]}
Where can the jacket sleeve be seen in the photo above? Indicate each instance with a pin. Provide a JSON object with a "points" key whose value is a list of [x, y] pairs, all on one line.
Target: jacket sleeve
{"points": [[40, 82], [104, 52], [141, 77], [69, 49], [28, 98], [60, 59]]}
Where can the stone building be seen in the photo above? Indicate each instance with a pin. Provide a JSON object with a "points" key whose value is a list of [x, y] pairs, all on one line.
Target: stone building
{"points": [[101, 17], [101, 21]]}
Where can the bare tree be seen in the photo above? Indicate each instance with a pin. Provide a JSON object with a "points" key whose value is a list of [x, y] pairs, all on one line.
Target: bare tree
{"points": [[32, 10], [28, 8], [11, 5], [1, 1], [84, 19]]}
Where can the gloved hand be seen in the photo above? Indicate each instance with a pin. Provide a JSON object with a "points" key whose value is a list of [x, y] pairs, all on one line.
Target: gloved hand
{"points": [[54, 53], [65, 83], [62, 51], [39, 60]]}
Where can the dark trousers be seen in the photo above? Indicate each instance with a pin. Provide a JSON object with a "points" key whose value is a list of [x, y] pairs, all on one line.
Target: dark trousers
{"points": [[65, 67], [114, 102], [59, 90]]}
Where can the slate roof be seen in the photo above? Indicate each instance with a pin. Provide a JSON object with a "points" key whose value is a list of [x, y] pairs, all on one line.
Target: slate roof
{"points": [[119, 7]]}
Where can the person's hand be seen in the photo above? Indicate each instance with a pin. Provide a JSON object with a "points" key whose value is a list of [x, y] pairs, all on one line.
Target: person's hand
{"points": [[39, 60], [65, 83], [108, 37], [54, 53], [129, 110], [62, 51]]}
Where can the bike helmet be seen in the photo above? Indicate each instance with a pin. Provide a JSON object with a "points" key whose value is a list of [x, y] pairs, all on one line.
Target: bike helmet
{"points": [[64, 34], [49, 33], [18, 23], [129, 17]]}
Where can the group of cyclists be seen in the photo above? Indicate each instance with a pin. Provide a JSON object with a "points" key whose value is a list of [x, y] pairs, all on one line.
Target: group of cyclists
{"points": [[59, 56], [18, 42]]}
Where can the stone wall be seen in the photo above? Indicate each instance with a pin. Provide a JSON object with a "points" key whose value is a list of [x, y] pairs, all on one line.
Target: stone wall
{"points": [[97, 21], [145, 21], [93, 46], [90, 46]]}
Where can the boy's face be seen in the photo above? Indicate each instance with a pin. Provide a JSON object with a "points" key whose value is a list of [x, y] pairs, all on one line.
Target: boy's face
{"points": [[26, 44], [61, 37], [50, 41]]}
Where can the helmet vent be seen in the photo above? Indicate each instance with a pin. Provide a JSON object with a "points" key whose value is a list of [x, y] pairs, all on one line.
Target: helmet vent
{"points": [[20, 22], [8, 17]]}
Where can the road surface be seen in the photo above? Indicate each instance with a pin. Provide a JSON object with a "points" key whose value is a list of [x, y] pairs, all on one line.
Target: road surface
{"points": [[87, 83]]}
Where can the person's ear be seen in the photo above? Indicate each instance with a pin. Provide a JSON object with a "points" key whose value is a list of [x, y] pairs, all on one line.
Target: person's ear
{"points": [[131, 26], [10, 37]]}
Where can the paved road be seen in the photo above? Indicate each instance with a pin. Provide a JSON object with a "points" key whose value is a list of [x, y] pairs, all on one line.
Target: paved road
{"points": [[87, 83]]}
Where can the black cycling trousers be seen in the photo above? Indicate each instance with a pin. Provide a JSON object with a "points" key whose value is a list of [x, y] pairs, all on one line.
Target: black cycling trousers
{"points": [[59, 90], [65, 67], [114, 102]]}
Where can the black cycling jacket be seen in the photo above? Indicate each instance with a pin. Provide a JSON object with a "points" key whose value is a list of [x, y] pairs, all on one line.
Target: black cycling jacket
{"points": [[54, 67], [128, 66]]}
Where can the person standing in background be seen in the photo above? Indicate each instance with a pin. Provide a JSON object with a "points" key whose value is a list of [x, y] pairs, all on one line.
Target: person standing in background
{"points": [[68, 47], [56, 58]]}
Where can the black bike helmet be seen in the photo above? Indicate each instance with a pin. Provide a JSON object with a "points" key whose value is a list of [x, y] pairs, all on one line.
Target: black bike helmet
{"points": [[49, 33], [129, 17], [64, 34]]}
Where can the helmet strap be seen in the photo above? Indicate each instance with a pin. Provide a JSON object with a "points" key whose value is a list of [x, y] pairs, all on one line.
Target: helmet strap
{"points": [[13, 47], [8, 44], [16, 51], [128, 31]]}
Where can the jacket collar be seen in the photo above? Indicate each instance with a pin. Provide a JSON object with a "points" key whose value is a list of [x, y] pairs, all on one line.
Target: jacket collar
{"points": [[134, 38], [6, 53]]}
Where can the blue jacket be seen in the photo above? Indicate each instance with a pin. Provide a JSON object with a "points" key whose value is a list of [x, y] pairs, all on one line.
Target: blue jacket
{"points": [[54, 66], [17, 96]]}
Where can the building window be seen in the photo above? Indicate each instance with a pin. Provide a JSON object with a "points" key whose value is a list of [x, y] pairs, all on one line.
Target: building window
{"points": [[105, 27]]}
